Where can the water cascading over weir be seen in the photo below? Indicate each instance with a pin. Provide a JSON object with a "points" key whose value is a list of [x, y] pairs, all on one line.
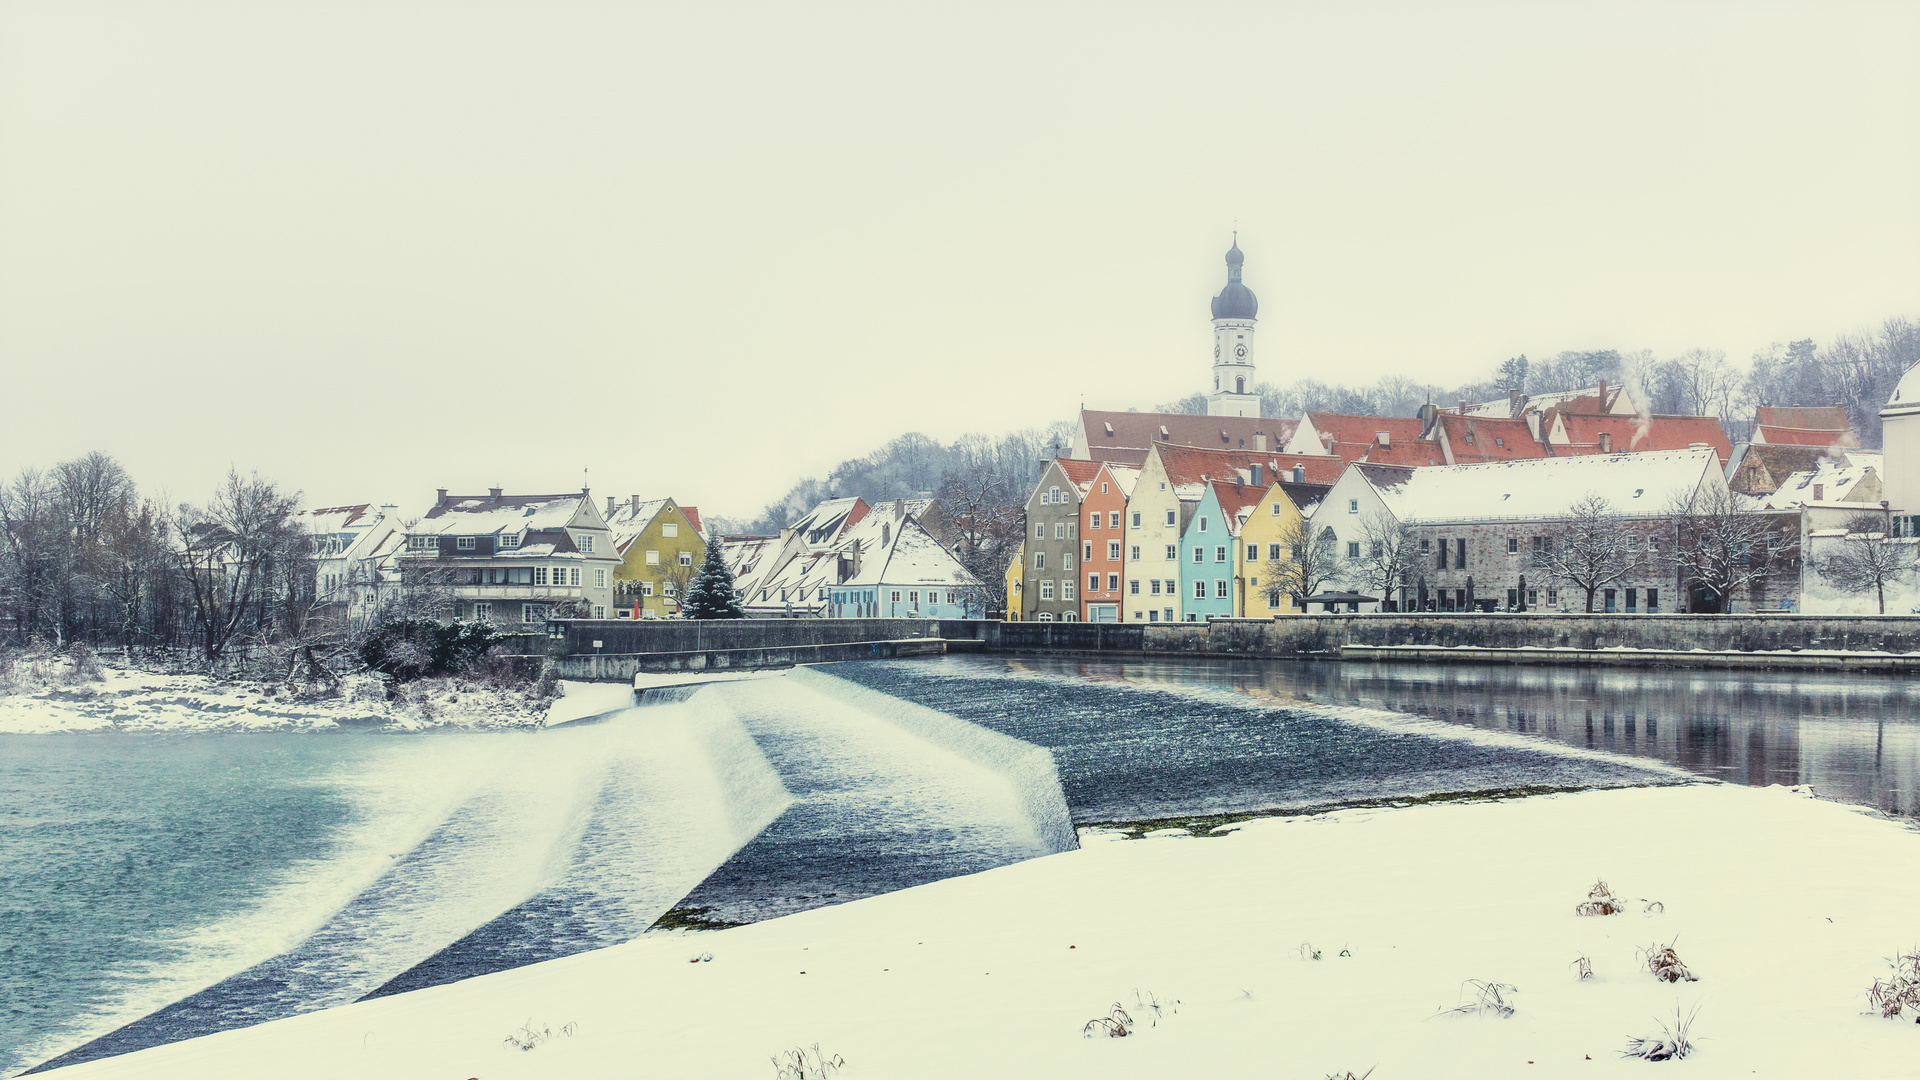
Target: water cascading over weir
{"points": [[732, 803]]}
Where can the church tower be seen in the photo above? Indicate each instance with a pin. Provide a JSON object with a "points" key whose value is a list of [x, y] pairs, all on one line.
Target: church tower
{"points": [[1233, 319]]}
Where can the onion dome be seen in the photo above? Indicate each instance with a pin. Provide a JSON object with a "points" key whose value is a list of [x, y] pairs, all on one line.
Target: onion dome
{"points": [[1236, 301]]}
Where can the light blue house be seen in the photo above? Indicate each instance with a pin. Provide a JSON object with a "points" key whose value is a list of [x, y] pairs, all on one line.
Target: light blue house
{"points": [[1210, 587]]}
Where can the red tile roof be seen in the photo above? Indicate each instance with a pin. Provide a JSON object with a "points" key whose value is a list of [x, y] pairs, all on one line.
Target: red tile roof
{"points": [[1190, 466], [1803, 418], [693, 517], [1080, 472], [1350, 437], [1412, 452], [1234, 498], [1475, 439], [1634, 433], [1817, 437]]}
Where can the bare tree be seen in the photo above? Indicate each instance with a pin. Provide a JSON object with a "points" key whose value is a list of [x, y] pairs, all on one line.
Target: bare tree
{"points": [[1867, 558], [30, 565], [1592, 548], [1386, 554], [1313, 560], [1725, 549], [986, 520], [231, 555]]}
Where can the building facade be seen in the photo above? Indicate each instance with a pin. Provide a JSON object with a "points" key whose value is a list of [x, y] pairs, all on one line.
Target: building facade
{"points": [[1052, 592], [660, 549], [1103, 554], [513, 558]]}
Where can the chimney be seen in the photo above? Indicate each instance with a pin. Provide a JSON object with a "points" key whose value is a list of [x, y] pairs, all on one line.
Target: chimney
{"points": [[1259, 443], [1606, 442], [609, 506], [389, 510], [1818, 490], [1299, 474], [443, 494], [1514, 401], [1385, 438], [1463, 408], [1603, 395], [1429, 419], [493, 493], [899, 509], [1256, 474]]}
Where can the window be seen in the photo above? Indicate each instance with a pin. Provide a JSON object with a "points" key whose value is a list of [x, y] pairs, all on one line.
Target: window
{"points": [[1156, 586], [1053, 495], [1113, 519], [1113, 551], [1536, 545], [1513, 598], [533, 613], [483, 611], [1173, 588], [653, 558], [1093, 520], [1220, 553], [1219, 588], [1133, 586], [1460, 553], [1253, 552], [509, 540], [422, 543], [1533, 597], [1170, 516], [1377, 549], [1093, 582], [1273, 552], [1039, 532], [1086, 554], [1113, 582], [573, 576], [1273, 598], [1633, 543], [1066, 590], [1046, 616], [599, 611], [1136, 519], [1066, 560], [646, 588], [1153, 616], [1275, 507], [671, 528], [586, 544], [599, 579], [1039, 560], [1199, 590], [894, 595], [1440, 560], [1553, 597], [1633, 601], [1203, 523], [1513, 545], [1059, 530], [1199, 554], [686, 558], [1071, 616], [539, 575], [1653, 544], [1611, 598], [1103, 488], [465, 543], [1134, 553], [1653, 601], [913, 597], [1073, 529], [1353, 506], [1046, 589], [1426, 546]]}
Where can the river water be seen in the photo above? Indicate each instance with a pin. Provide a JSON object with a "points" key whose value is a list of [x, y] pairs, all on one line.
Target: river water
{"points": [[159, 887]]}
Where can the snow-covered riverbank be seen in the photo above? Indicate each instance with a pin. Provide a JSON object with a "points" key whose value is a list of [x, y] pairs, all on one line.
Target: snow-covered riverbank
{"points": [[131, 700], [1784, 907]]}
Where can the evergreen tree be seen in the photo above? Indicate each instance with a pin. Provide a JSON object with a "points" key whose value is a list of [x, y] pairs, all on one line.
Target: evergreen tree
{"points": [[711, 595]]}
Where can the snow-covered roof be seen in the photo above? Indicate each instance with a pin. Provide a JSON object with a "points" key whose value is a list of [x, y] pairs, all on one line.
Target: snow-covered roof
{"points": [[338, 518], [484, 515], [1645, 484], [1846, 482], [825, 524], [629, 519], [899, 551], [1906, 395]]}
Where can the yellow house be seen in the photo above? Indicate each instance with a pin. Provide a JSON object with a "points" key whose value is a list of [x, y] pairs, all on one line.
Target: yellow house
{"points": [[1262, 551], [660, 550], [1016, 575]]}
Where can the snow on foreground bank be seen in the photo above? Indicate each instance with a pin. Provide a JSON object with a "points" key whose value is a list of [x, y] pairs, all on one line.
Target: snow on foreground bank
{"points": [[1783, 906], [129, 700]]}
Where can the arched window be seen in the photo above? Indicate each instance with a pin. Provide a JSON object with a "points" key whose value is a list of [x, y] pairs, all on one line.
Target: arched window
{"points": [[1239, 385]]}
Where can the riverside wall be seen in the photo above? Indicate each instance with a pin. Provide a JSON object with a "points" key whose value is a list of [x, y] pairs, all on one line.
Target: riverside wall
{"points": [[613, 650]]}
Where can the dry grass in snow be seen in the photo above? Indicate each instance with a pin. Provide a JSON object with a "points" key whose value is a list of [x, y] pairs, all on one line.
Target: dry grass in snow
{"points": [[1785, 903]]}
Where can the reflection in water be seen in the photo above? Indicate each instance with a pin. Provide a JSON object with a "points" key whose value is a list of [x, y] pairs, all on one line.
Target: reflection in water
{"points": [[1854, 737]]}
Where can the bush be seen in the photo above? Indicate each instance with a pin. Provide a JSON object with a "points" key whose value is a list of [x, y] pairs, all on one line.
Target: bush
{"points": [[1899, 992], [1665, 964], [409, 649]]}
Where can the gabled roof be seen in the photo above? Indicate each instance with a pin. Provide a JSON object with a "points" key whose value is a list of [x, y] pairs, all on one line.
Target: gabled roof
{"points": [[1802, 418], [1638, 433], [1135, 432], [1599, 398], [1235, 499], [900, 551], [1480, 438], [693, 518], [1350, 437], [1125, 476], [1760, 468], [824, 525], [1852, 478], [1773, 435], [629, 519], [482, 515], [1080, 472], [336, 518]]}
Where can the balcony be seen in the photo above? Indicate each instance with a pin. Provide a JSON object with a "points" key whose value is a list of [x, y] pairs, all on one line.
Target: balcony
{"points": [[519, 592]]}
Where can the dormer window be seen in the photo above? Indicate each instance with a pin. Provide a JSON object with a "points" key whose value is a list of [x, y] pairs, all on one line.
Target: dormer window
{"points": [[465, 543], [509, 540]]}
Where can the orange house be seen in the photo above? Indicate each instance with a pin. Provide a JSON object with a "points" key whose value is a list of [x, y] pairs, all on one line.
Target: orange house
{"points": [[1102, 538]]}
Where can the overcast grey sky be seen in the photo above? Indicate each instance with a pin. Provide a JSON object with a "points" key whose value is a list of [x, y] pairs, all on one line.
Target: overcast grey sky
{"points": [[372, 249]]}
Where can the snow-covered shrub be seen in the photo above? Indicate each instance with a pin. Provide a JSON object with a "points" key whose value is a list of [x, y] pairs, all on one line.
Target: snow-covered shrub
{"points": [[408, 649], [530, 1036], [82, 666], [1899, 993], [1671, 1044], [1665, 964], [805, 1063], [1600, 901]]}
